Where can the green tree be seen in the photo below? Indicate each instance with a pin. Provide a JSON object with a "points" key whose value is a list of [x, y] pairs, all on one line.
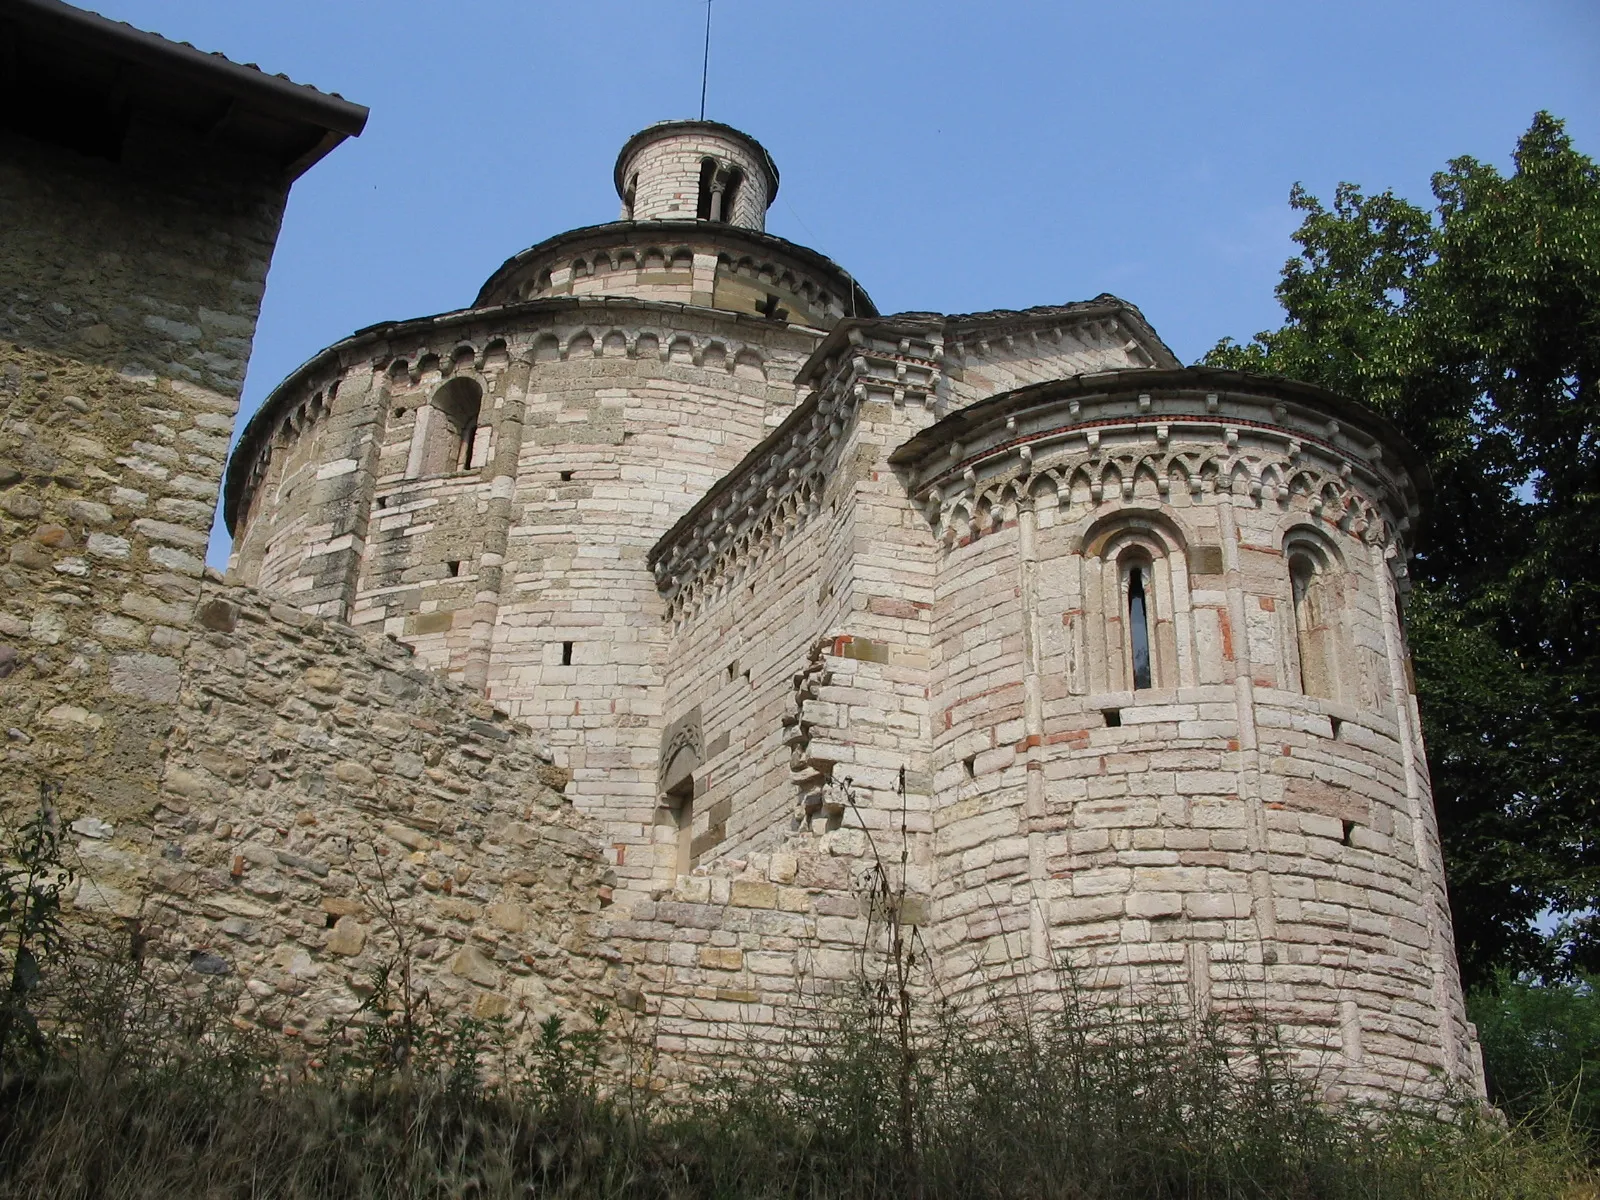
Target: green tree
{"points": [[1475, 326], [1541, 1049]]}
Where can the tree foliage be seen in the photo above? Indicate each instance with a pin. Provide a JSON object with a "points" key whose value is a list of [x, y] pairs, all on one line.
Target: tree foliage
{"points": [[1541, 1051], [1475, 326]]}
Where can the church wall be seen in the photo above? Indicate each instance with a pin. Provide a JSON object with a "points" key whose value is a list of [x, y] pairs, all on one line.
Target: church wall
{"points": [[594, 438], [708, 266], [1001, 355], [1220, 838]]}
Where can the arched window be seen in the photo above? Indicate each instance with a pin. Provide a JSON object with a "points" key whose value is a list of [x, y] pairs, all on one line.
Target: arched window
{"points": [[719, 187], [1134, 631], [1309, 587], [449, 427]]}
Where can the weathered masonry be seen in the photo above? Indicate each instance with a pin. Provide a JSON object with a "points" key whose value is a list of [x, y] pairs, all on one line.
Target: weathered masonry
{"points": [[230, 767], [1112, 647]]}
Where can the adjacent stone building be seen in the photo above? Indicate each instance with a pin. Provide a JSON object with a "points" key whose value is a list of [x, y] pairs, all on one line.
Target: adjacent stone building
{"points": [[255, 796], [1102, 655]]}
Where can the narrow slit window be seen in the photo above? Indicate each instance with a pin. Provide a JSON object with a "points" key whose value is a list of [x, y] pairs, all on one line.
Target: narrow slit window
{"points": [[1139, 627], [1311, 627], [566, 654]]}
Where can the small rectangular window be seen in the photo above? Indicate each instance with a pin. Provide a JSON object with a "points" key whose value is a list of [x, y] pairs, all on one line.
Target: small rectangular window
{"points": [[1113, 717], [566, 477], [453, 566], [566, 654], [969, 764]]}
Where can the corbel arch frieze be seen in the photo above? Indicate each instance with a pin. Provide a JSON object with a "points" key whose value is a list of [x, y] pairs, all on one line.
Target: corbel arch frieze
{"points": [[1077, 478]]}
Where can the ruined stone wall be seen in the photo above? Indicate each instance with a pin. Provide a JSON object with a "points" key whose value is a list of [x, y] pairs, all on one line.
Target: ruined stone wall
{"points": [[324, 799]]}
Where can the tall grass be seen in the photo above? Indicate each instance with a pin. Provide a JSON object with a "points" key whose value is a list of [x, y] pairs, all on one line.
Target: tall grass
{"points": [[139, 1097], [118, 1079]]}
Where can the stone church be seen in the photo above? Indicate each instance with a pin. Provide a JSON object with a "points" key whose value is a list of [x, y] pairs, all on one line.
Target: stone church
{"points": [[1110, 647], [593, 644]]}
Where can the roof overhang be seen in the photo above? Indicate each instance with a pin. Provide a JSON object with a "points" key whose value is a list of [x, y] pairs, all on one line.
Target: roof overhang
{"points": [[77, 78]]}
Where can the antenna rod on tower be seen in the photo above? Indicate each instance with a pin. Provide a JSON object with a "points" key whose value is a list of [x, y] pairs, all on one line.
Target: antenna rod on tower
{"points": [[705, 63]]}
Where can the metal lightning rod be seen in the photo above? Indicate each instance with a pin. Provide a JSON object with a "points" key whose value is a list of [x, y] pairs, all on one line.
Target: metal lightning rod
{"points": [[705, 63]]}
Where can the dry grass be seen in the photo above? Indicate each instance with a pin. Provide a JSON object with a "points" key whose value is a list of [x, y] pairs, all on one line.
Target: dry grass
{"points": [[139, 1097]]}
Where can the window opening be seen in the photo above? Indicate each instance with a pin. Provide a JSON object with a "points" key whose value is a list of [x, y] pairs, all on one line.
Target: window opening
{"points": [[1138, 627], [733, 671], [566, 654], [453, 430], [708, 171], [1335, 725], [469, 442], [970, 765], [1349, 829], [1113, 717], [383, 502], [566, 477], [1310, 627], [453, 566], [681, 800], [627, 200]]}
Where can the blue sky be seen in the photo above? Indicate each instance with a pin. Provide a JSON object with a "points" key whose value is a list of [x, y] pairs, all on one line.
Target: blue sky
{"points": [[954, 156]]}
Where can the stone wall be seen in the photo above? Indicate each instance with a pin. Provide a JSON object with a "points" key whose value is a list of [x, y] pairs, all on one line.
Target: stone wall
{"points": [[106, 488], [683, 262], [524, 572], [1233, 831], [324, 799], [256, 793], [153, 265]]}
